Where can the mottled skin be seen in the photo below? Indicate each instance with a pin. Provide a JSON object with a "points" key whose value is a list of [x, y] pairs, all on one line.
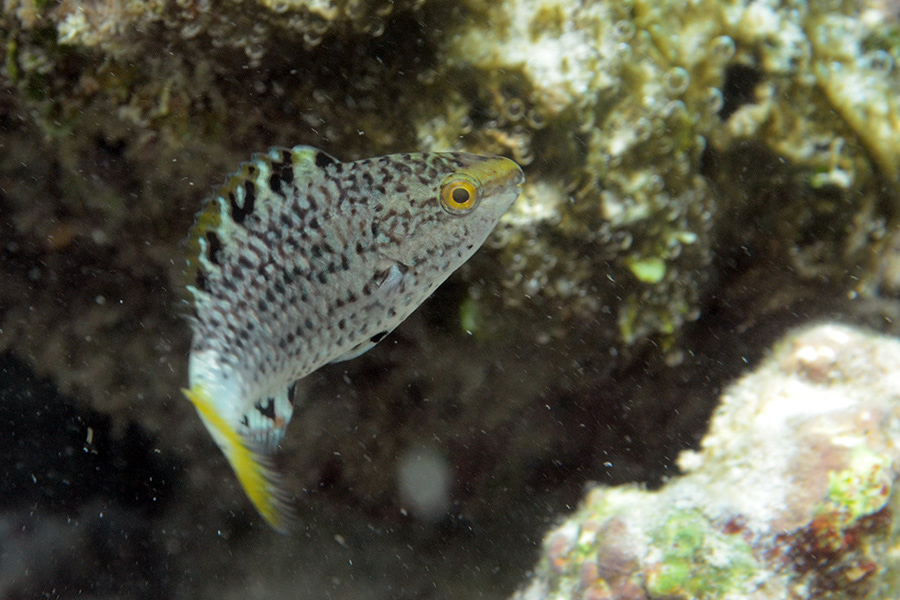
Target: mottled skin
{"points": [[301, 260]]}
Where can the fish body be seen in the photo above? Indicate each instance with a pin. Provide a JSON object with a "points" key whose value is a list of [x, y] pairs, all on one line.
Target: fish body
{"points": [[299, 260]]}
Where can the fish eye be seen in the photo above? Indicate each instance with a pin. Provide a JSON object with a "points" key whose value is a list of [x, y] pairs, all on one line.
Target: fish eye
{"points": [[460, 194]]}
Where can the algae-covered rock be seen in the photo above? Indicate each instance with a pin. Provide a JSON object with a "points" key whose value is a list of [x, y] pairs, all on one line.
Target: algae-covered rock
{"points": [[627, 111], [623, 112], [792, 494]]}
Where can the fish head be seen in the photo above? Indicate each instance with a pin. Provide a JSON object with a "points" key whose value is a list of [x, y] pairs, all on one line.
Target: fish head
{"points": [[478, 188], [247, 438], [450, 206]]}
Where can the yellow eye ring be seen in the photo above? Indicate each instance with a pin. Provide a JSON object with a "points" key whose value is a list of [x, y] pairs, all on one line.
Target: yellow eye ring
{"points": [[460, 194]]}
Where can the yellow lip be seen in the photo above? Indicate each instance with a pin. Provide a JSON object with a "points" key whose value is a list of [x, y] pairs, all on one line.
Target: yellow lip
{"points": [[497, 171]]}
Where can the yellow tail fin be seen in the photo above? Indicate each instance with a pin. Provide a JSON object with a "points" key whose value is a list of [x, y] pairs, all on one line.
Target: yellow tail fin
{"points": [[260, 481]]}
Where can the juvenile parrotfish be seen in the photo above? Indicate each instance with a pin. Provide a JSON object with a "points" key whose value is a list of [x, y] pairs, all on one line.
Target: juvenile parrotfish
{"points": [[299, 260]]}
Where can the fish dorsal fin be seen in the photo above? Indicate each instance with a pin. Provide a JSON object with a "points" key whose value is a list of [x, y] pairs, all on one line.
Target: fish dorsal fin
{"points": [[265, 180]]}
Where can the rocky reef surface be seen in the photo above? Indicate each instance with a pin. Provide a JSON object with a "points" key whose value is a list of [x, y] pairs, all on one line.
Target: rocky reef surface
{"points": [[791, 495], [700, 175]]}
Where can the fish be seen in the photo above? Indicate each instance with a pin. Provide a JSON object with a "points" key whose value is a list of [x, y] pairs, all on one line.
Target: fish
{"points": [[299, 260]]}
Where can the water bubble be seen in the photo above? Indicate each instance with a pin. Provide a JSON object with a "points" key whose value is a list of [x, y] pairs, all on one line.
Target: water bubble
{"points": [[642, 128], [311, 39], [664, 145], [535, 119], [675, 109], [255, 52], [385, 9], [674, 251], [624, 29], [279, 7], [677, 80], [191, 30], [376, 28], [319, 26], [523, 155], [515, 109], [714, 101], [699, 143], [879, 61], [355, 10], [722, 48]]}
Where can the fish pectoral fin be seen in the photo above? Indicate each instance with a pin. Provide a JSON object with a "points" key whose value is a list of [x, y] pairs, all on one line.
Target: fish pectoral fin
{"points": [[263, 426], [389, 275], [362, 347]]}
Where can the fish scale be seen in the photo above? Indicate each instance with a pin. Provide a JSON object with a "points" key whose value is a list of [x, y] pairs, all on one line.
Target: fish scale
{"points": [[300, 259]]}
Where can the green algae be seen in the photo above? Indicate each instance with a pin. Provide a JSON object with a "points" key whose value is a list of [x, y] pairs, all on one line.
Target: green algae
{"points": [[697, 560], [12, 67], [470, 316], [648, 270], [863, 488]]}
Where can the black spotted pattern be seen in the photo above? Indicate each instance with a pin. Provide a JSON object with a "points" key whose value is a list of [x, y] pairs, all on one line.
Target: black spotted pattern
{"points": [[299, 283]]}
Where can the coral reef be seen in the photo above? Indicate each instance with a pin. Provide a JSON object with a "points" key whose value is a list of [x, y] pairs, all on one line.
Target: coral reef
{"points": [[620, 107], [792, 494]]}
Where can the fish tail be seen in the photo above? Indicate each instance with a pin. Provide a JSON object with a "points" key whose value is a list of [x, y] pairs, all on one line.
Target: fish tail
{"points": [[261, 482]]}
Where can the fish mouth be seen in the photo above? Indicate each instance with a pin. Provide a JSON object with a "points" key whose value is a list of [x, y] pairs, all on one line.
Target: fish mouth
{"points": [[500, 174]]}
